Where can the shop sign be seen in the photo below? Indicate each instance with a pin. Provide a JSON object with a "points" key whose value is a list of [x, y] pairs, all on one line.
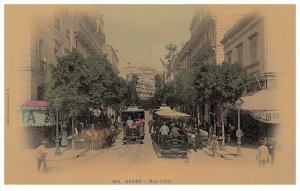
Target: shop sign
{"points": [[38, 118], [266, 116]]}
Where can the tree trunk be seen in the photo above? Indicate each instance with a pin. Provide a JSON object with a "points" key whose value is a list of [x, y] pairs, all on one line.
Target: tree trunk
{"points": [[73, 136], [220, 120], [223, 129]]}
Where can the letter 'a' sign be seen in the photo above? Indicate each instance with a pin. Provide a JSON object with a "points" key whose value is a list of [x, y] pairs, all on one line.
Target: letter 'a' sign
{"points": [[38, 118]]}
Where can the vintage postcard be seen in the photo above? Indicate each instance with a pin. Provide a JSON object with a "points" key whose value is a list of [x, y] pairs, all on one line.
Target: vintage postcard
{"points": [[150, 94]]}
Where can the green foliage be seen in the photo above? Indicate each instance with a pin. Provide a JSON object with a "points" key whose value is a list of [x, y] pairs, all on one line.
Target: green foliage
{"points": [[159, 95], [184, 90], [172, 50], [224, 82], [84, 83], [132, 85]]}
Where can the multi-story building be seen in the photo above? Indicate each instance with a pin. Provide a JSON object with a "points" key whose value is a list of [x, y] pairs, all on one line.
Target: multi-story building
{"points": [[247, 43], [208, 26], [54, 36], [146, 80], [111, 56]]}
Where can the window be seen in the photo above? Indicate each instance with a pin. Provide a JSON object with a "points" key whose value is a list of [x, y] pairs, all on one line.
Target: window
{"points": [[253, 48], [41, 56], [68, 34], [57, 50], [239, 50], [229, 57], [56, 23]]}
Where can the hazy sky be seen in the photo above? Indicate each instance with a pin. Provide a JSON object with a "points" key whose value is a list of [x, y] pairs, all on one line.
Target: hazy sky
{"points": [[140, 32]]}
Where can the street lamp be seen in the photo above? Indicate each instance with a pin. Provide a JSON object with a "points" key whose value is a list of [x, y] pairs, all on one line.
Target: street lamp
{"points": [[238, 105], [57, 105]]}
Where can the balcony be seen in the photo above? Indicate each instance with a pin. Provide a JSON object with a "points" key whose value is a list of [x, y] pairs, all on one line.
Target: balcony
{"points": [[85, 32]]}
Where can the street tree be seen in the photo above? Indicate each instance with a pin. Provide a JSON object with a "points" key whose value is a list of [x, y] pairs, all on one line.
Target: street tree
{"points": [[168, 59], [184, 91], [220, 85], [83, 84], [132, 89]]}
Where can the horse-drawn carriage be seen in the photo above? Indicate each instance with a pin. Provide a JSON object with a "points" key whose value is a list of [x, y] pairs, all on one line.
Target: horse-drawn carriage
{"points": [[133, 119], [99, 138], [173, 145]]}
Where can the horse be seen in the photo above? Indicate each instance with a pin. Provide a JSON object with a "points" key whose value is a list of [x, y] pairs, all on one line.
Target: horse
{"points": [[93, 138]]}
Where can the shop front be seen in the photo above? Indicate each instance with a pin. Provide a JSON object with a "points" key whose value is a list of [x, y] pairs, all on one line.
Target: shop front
{"points": [[263, 109], [39, 121]]}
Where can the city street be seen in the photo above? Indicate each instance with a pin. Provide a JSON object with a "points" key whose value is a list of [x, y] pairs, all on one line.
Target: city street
{"points": [[138, 164]]}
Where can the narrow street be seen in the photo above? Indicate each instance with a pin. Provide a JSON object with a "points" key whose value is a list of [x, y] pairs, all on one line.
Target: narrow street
{"points": [[138, 164]]}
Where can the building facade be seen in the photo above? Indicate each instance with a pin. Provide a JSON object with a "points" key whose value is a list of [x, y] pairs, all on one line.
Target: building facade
{"points": [[207, 30], [55, 36], [110, 52], [246, 44]]}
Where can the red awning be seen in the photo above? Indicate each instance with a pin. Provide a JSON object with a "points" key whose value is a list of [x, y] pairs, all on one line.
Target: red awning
{"points": [[34, 103]]}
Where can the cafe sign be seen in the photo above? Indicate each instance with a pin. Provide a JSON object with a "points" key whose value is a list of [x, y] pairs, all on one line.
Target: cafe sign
{"points": [[270, 116]]}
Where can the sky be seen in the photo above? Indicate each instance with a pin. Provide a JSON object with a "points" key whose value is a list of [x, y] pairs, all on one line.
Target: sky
{"points": [[139, 33]]}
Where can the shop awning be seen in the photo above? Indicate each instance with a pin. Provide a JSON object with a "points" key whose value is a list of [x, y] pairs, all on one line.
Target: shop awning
{"points": [[263, 106], [35, 105], [262, 100]]}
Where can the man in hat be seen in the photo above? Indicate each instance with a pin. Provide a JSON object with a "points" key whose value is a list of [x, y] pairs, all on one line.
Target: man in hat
{"points": [[175, 131], [164, 130], [262, 154], [41, 156]]}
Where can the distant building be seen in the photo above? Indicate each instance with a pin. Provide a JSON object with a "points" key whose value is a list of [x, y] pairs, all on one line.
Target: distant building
{"points": [[54, 36], [111, 56], [146, 82]]}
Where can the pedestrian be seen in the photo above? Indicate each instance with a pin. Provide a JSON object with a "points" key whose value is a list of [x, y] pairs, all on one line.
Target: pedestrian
{"points": [[151, 124], [41, 156], [214, 145], [262, 154], [271, 147]]}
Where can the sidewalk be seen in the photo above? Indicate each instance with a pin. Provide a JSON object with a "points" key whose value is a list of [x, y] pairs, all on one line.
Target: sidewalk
{"points": [[230, 153], [66, 153]]}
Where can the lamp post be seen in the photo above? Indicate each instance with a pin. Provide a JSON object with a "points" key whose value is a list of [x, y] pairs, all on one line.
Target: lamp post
{"points": [[238, 105], [57, 105]]}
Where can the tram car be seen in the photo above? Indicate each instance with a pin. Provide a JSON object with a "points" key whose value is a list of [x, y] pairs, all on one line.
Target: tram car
{"points": [[133, 121], [170, 145]]}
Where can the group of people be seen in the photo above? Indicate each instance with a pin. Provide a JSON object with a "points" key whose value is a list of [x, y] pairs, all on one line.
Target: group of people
{"points": [[266, 152], [134, 124], [137, 123], [174, 129]]}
